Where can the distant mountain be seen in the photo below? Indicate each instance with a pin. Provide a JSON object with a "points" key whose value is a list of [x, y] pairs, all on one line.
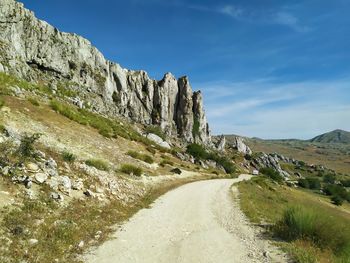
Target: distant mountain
{"points": [[337, 136]]}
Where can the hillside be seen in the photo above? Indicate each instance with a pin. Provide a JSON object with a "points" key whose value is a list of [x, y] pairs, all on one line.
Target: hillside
{"points": [[336, 136], [331, 154], [36, 51]]}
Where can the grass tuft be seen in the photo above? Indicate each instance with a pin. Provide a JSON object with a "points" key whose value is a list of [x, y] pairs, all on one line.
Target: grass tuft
{"points": [[98, 164], [131, 169], [143, 157], [68, 157]]}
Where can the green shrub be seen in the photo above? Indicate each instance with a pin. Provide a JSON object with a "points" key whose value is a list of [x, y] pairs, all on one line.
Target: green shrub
{"points": [[329, 178], [68, 157], [197, 151], [33, 101], [345, 183], [143, 157], [337, 200], [131, 169], [314, 183], [98, 164], [303, 183], [26, 148], [337, 190], [272, 174], [302, 223]]}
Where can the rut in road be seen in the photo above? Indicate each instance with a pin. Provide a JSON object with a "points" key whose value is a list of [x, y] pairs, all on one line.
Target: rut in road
{"points": [[197, 222]]}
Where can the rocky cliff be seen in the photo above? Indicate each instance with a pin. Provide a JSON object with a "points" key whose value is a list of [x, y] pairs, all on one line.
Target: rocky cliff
{"points": [[34, 50]]}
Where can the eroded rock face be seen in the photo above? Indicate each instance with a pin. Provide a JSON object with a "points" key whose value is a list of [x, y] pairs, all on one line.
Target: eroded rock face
{"points": [[240, 146], [34, 50]]}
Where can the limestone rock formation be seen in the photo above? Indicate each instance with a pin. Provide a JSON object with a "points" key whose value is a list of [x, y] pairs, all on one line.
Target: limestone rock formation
{"points": [[34, 50], [240, 146]]}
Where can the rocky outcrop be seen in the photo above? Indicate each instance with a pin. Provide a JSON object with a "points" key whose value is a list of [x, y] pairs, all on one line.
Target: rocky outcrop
{"points": [[263, 160], [34, 50], [220, 145], [240, 146]]}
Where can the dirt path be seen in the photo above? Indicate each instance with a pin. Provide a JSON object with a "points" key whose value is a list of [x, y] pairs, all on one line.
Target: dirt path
{"points": [[198, 222]]}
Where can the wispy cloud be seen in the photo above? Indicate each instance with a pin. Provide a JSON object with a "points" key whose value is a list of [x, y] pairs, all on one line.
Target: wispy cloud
{"points": [[227, 10], [279, 110], [230, 10], [289, 20]]}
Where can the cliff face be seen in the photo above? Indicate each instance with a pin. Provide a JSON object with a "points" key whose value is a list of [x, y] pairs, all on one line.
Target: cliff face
{"points": [[34, 50]]}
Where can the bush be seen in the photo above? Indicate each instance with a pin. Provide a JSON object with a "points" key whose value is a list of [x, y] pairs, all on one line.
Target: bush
{"points": [[33, 101], [314, 183], [337, 190], [131, 169], [98, 164], [303, 183], [346, 183], [143, 157], [302, 223], [197, 151], [26, 148], [68, 157], [337, 200], [272, 174], [329, 178]]}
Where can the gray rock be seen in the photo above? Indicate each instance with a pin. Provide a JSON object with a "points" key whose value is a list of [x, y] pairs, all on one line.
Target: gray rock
{"points": [[78, 185], [155, 138], [33, 242], [34, 50], [40, 177], [221, 143], [240, 146]]}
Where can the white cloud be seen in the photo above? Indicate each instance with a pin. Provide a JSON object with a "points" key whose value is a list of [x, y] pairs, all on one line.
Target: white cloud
{"points": [[230, 10], [270, 110], [287, 19]]}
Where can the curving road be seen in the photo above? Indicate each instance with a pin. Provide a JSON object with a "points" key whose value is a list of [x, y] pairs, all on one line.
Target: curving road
{"points": [[199, 222]]}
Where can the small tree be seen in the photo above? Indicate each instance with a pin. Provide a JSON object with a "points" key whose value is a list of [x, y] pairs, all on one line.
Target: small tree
{"points": [[337, 200]]}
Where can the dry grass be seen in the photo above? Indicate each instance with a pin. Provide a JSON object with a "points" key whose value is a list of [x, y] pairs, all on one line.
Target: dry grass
{"points": [[265, 202]]}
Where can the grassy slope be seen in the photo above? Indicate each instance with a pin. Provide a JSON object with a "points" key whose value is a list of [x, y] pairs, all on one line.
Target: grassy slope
{"points": [[265, 202]]}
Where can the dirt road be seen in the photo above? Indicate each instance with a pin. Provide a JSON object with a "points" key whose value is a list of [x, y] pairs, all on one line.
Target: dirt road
{"points": [[198, 222]]}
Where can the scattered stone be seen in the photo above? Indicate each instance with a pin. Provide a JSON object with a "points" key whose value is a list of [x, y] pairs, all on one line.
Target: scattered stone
{"points": [[78, 185], [81, 244], [33, 241], [32, 167], [57, 196], [51, 164], [65, 184], [40, 177], [266, 254]]}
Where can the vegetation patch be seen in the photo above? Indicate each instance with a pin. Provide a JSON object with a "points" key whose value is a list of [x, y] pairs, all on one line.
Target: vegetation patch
{"points": [[140, 156], [34, 101], [131, 169], [68, 157], [315, 231], [98, 164], [272, 174], [200, 153]]}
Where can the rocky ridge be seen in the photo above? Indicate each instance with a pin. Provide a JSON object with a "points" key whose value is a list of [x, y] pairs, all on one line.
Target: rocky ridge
{"points": [[34, 50]]}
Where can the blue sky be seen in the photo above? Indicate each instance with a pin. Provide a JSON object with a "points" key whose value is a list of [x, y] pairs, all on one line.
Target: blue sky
{"points": [[267, 68]]}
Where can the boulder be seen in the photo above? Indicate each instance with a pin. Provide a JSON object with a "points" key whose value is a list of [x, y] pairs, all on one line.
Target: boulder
{"points": [[155, 138]]}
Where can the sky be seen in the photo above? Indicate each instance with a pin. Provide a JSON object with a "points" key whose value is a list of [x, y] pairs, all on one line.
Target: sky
{"points": [[267, 68]]}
